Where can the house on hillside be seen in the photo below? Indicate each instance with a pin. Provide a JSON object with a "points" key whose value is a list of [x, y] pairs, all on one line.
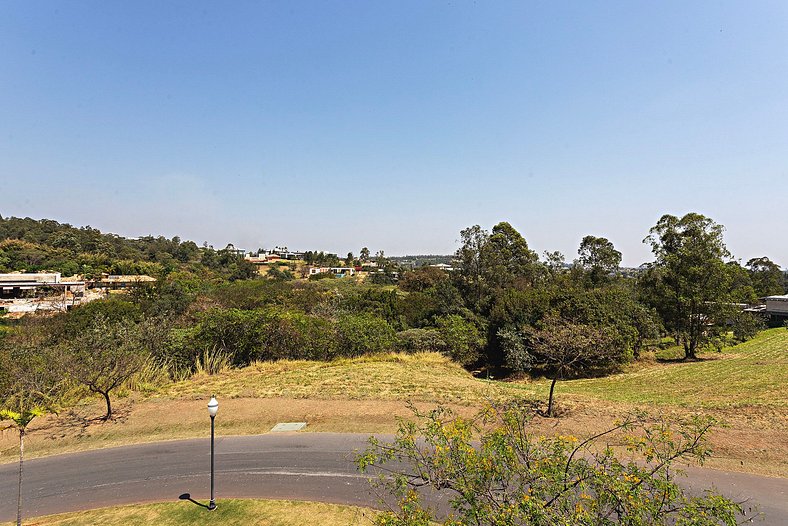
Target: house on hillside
{"points": [[777, 306], [124, 281], [339, 272], [24, 285], [44, 291]]}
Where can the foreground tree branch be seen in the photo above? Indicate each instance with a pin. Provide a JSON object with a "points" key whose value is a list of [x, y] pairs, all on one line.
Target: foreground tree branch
{"points": [[496, 471]]}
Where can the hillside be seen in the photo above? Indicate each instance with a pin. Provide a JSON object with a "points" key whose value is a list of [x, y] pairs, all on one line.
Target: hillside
{"points": [[741, 386]]}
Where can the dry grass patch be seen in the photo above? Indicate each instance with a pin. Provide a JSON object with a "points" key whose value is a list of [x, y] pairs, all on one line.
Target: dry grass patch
{"points": [[240, 512], [422, 377]]}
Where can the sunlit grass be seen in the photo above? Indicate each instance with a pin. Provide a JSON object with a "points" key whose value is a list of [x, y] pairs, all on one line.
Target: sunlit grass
{"points": [[229, 512], [422, 377]]}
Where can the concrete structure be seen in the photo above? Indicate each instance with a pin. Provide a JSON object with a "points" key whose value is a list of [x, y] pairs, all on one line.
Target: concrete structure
{"points": [[777, 305], [118, 281], [24, 285], [22, 292], [443, 266], [339, 272]]}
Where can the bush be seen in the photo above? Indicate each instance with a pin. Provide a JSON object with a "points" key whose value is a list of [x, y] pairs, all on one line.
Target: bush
{"points": [[295, 335], [462, 339], [746, 326], [235, 332], [420, 340], [359, 334]]}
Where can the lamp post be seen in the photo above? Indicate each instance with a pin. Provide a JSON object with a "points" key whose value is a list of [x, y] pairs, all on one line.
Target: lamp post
{"points": [[213, 407]]}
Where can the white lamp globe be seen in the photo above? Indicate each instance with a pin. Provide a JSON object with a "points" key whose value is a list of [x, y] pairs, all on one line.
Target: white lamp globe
{"points": [[213, 406]]}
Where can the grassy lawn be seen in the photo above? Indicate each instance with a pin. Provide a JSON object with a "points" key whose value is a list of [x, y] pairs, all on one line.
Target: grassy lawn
{"points": [[754, 373], [744, 386], [229, 512]]}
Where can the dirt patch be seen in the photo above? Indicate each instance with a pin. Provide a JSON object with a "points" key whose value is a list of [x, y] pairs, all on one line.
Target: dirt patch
{"points": [[755, 440]]}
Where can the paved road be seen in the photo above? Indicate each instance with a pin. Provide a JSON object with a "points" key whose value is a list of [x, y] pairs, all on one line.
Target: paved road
{"points": [[305, 466]]}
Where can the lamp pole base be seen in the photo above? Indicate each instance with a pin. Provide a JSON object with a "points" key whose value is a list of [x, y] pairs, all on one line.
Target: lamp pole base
{"points": [[211, 506]]}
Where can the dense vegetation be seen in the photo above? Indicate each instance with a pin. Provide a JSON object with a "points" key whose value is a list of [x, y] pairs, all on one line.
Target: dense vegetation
{"points": [[502, 306]]}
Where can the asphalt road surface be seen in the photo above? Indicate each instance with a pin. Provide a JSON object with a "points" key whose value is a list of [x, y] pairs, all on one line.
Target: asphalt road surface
{"points": [[299, 466]]}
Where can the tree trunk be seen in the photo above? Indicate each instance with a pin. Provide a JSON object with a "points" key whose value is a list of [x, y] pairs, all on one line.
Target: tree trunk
{"points": [[550, 399], [690, 353], [108, 416], [21, 459]]}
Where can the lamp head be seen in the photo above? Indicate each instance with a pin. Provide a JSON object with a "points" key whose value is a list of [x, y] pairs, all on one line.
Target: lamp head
{"points": [[213, 406]]}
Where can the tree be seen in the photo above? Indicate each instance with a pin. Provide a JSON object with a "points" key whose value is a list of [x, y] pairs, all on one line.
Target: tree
{"points": [[767, 277], [29, 387], [104, 356], [487, 262], [598, 257], [495, 470], [561, 348], [422, 278], [507, 258], [470, 266], [688, 283], [554, 262], [462, 340], [364, 255]]}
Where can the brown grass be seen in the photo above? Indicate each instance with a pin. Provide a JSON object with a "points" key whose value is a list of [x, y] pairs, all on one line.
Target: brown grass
{"points": [[742, 387], [240, 512]]}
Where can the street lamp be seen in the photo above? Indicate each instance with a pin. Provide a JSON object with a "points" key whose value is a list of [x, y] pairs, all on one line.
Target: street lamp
{"points": [[213, 408]]}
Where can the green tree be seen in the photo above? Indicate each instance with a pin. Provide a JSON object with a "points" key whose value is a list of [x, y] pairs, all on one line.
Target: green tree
{"points": [[598, 257], [487, 262], [462, 340], [506, 258], [495, 469], [689, 282], [561, 348], [470, 265], [364, 255], [104, 356], [29, 387], [767, 277]]}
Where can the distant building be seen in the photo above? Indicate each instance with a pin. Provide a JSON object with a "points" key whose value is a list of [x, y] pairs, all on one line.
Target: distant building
{"points": [[123, 281], [777, 306], [44, 291], [443, 266], [339, 272], [24, 285], [262, 258]]}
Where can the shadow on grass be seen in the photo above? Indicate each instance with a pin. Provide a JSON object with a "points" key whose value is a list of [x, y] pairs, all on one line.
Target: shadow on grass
{"points": [[688, 360], [188, 496]]}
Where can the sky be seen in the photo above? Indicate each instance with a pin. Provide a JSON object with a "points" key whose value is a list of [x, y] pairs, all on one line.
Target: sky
{"points": [[333, 125]]}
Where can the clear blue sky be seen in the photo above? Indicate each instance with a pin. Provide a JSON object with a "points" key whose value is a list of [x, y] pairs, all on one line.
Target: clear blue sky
{"points": [[335, 125]]}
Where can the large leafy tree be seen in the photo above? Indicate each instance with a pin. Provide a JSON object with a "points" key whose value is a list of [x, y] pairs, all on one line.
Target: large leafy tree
{"points": [[507, 258], [487, 262], [688, 283], [598, 257], [767, 277]]}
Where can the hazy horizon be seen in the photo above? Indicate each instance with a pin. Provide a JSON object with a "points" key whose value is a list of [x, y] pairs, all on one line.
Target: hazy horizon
{"points": [[337, 125]]}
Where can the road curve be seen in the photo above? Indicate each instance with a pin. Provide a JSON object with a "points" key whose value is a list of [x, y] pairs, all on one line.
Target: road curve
{"points": [[300, 466]]}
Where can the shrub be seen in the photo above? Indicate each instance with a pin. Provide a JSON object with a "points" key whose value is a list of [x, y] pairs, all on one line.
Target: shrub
{"points": [[462, 339], [420, 340], [359, 334], [295, 335]]}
